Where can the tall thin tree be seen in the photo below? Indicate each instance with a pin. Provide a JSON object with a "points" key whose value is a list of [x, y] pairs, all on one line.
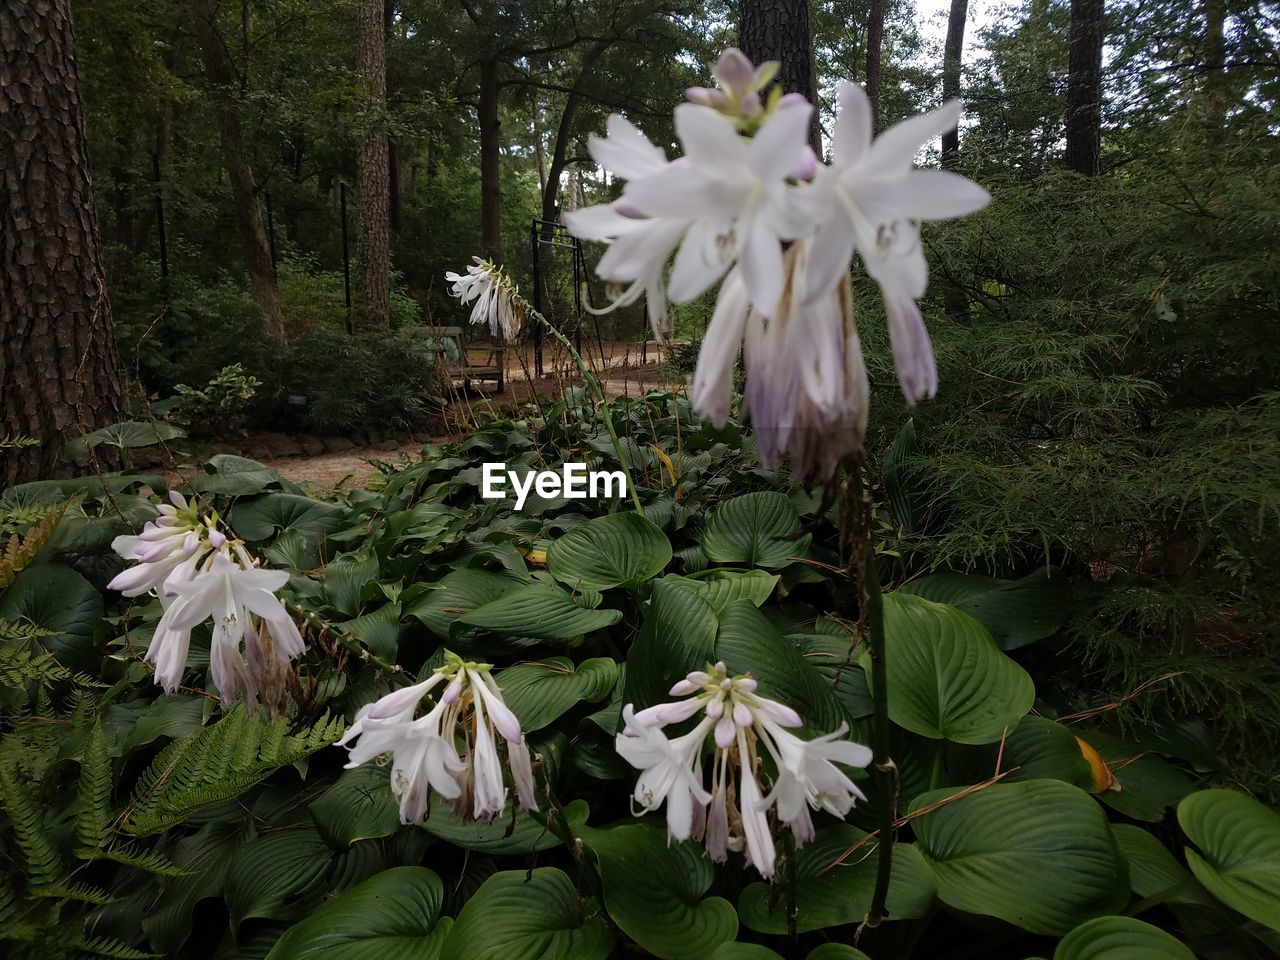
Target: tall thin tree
{"points": [[58, 362], [875, 37], [951, 58], [254, 243], [373, 218], [1084, 88], [782, 30]]}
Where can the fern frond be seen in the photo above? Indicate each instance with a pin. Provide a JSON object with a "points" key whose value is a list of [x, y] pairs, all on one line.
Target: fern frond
{"points": [[218, 763], [111, 947], [131, 856], [44, 866], [93, 814], [79, 892], [20, 551], [20, 664]]}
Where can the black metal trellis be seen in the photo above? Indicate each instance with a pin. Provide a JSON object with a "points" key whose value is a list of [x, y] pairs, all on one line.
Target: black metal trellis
{"points": [[555, 235]]}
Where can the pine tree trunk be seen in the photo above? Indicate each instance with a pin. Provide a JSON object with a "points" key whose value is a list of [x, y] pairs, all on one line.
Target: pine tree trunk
{"points": [[1084, 88], [59, 367], [951, 58], [564, 132], [782, 30], [373, 223], [490, 157], [1215, 60], [875, 34], [253, 235]]}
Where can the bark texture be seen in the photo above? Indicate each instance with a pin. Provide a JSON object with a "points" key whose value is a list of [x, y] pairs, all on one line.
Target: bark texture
{"points": [[373, 181], [952, 55], [875, 37], [253, 234], [782, 30], [1084, 88], [490, 161], [59, 369]]}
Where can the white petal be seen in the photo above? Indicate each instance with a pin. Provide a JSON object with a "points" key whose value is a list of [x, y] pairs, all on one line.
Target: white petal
{"points": [[762, 267], [852, 134], [626, 152], [932, 195], [709, 139], [713, 379], [896, 148], [699, 263], [778, 148]]}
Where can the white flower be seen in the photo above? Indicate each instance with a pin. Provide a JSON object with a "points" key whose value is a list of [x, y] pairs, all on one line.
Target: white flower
{"points": [[737, 720], [424, 750], [876, 198], [497, 299]]}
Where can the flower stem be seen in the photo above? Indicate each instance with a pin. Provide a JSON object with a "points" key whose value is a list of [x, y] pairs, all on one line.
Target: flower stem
{"points": [[601, 406]]}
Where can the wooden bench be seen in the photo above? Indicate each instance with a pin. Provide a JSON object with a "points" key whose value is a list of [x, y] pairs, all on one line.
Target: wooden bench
{"points": [[453, 354]]}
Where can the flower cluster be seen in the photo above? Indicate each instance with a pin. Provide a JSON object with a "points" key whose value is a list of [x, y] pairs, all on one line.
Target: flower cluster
{"points": [[199, 573], [749, 203], [497, 298], [424, 750], [734, 813]]}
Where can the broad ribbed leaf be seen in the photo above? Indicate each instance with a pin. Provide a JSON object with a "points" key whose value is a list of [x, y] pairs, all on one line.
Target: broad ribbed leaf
{"points": [[655, 892], [1154, 874], [542, 611], [56, 599], [678, 635], [616, 550], [527, 915], [721, 587], [498, 836], [1041, 749], [1016, 612], [460, 592], [757, 529], [1120, 938], [830, 894], [360, 806], [1149, 784], [275, 874], [1038, 854], [543, 691], [1239, 856], [947, 678], [261, 517], [394, 915]]}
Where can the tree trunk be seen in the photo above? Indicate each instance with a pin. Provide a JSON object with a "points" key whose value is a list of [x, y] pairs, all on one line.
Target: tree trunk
{"points": [[1215, 61], [875, 35], [1084, 88], [373, 224], [782, 30], [244, 191], [58, 360], [951, 59], [564, 133], [490, 157]]}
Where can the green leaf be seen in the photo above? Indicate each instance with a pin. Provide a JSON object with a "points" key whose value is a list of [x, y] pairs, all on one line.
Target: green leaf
{"points": [[678, 635], [460, 592], [275, 874], [261, 517], [744, 951], [1154, 874], [721, 587], [93, 801], [207, 855], [394, 915], [759, 529], [527, 915], [1120, 938], [58, 600], [131, 433], [378, 631], [1038, 854], [1239, 857], [345, 579], [1016, 612], [1041, 749], [616, 550], [543, 691], [506, 833], [830, 894], [837, 659], [947, 678], [541, 611], [836, 951], [235, 477], [359, 806], [901, 485], [748, 642], [655, 892], [1149, 784]]}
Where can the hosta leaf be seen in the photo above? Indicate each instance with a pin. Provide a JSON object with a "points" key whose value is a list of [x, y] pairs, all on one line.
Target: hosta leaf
{"points": [[394, 915], [1016, 612], [947, 678], [65, 606], [1149, 784], [1154, 874], [272, 875], [527, 915], [1120, 938], [830, 894], [378, 632], [1239, 851], [655, 892], [837, 659], [759, 529], [261, 517], [460, 592], [542, 611], [235, 476], [543, 691], [131, 433], [616, 550], [721, 587], [360, 806], [1038, 854], [678, 635], [499, 835]]}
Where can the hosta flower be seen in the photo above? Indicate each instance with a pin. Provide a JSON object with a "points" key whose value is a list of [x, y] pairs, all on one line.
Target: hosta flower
{"points": [[875, 198], [199, 574], [425, 750], [496, 298], [734, 813]]}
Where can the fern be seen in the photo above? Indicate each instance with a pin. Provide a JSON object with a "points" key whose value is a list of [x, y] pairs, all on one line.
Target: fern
{"points": [[132, 856], [20, 665], [93, 818], [44, 866], [21, 550], [216, 764]]}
